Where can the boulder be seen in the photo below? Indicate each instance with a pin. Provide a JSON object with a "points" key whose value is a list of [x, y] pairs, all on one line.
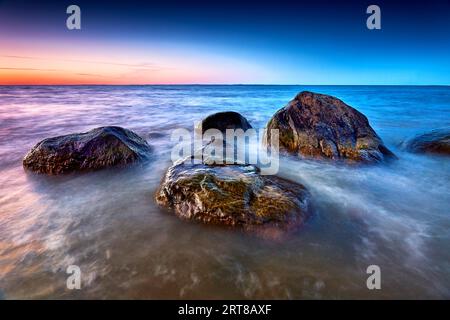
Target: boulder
{"points": [[315, 125], [225, 120], [99, 148], [233, 195], [436, 141]]}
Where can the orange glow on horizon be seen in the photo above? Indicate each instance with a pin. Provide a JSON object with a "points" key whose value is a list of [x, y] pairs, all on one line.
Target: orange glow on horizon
{"points": [[21, 77], [48, 64]]}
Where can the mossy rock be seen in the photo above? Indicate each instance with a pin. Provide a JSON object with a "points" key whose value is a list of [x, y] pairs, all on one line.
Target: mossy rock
{"points": [[233, 195]]}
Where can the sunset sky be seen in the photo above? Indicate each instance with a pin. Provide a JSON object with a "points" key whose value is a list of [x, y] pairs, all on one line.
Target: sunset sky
{"points": [[209, 42]]}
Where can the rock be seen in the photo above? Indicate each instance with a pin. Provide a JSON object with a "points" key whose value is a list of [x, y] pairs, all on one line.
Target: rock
{"points": [[436, 141], [225, 120], [320, 126], [99, 148], [233, 195]]}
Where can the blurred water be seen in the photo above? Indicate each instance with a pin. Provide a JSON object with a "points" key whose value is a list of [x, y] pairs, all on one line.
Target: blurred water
{"points": [[396, 216]]}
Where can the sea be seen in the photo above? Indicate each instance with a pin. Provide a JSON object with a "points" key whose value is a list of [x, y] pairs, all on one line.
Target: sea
{"points": [[395, 216]]}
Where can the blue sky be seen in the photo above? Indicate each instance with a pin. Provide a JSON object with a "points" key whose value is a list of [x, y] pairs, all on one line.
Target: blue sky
{"points": [[315, 42]]}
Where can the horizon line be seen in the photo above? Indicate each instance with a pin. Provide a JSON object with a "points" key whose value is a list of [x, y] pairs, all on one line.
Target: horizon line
{"points": [[220, 84]]}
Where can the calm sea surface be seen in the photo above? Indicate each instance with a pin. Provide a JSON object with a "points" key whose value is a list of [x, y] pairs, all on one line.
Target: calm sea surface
{"points": [[396, 216]]}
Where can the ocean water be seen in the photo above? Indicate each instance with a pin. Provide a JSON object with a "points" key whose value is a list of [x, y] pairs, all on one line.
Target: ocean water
{"points": [[396, 215]]}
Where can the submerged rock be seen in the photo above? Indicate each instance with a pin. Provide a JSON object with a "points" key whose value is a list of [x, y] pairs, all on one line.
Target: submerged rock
{"points": [[225, 120], [233, 195], [321, 126], [436, 141], [99, 148]]}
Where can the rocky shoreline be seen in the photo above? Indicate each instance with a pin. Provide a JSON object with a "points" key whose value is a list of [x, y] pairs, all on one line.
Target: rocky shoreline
{"points": [[311, 126]]}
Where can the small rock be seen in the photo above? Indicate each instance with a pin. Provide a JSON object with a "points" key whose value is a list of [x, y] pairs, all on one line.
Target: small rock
{"points": [[225, 120], [436, 142]]}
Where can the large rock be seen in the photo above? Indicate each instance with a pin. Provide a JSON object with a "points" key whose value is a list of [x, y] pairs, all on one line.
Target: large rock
{"points": [[225, 120], [99, 148], [436, 141], [321, 126], [233, 195]]}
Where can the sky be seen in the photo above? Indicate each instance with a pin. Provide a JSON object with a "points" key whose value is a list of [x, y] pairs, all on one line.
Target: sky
{"points": [[225, 42]]}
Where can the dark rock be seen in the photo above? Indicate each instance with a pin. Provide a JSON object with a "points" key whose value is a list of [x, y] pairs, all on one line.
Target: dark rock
{"points": [[436, 141], [99, 148], [156, 135], [225, 120], [233, 195], [320, 126]]}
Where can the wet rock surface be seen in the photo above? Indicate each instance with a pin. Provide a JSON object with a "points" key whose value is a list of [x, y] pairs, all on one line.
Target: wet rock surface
{"points": [[222, 121], [96, 149], [436, 142], [315, 125], [225, 120], [233, 195]]}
